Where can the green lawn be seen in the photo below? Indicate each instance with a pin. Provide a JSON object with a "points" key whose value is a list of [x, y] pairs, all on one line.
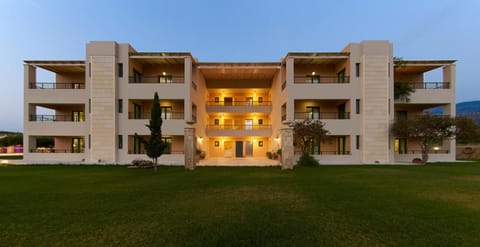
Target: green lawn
{"points": [[427, 205]]}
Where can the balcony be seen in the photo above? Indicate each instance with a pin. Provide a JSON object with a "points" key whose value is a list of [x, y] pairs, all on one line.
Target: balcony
{"points": [[239, 130], [161, 79], [319, 79], [147, 115], [56, 118], [322, 115], [239, 106], [57, 85], [428, 85]]}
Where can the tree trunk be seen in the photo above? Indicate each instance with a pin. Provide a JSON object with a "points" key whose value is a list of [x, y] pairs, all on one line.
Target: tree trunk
{"points": [[424, 155], [155, 165]]}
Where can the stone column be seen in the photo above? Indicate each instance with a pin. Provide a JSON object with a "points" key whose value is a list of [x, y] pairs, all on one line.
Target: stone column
{"points": [[189, 148], [287, 148]]}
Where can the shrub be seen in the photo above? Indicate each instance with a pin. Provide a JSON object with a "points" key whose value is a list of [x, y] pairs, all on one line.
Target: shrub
{"points": [[269, 155], [307, 160], [142, 163]]}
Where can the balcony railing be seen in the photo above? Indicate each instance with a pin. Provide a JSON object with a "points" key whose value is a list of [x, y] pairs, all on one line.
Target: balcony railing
{"points": [[428, 85], [55, 118], [157, 79], [145, 152], [147, 115], [238, 103], [54, 150], [440, 151], [322, 115], [321, 79], [238, 127], [326, 153], [57, 85]]}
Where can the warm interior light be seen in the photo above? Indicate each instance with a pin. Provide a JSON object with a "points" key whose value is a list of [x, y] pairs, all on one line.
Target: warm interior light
{"points": [[164, 73], [4, 161], [313, 73], [200, 139], [436, 148], [276, 139]]}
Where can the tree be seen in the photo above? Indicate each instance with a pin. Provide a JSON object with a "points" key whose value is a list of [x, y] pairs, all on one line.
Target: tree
{"points": [[154, 146], [307, 131], [426, 130], [467, 131]]}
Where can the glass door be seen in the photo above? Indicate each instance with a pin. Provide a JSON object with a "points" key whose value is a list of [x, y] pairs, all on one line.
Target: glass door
{"points": [[77, 145], [313, 112], [248, 124]]}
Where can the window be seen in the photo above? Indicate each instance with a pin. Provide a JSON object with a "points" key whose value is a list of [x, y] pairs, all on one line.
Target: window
{"points": [[400, 146], [165, 78], [357, 105], [89, 105], [313, 79], [260, 121], [120, 141], [341, 145], [260, 99], [194, 113], [137, 111], [136, 145], [249, 100], [313, 112], [260, 143], [78, 116], [357, 69], [77, 145], [341, 78], [120, 105], [89, 69], [284, 112], [357, 142], [217, 144], [89, 141], [314, 147], [166, 112], [217, 121], [137, 77], [217, 99], [120, 69], [168, 148]]}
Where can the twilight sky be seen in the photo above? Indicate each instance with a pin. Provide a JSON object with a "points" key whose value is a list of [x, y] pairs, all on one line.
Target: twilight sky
{"points": [[241, 30]]}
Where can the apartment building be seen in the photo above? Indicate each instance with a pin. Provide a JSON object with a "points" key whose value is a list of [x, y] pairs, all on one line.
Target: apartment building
{"points": [[236, 109]]}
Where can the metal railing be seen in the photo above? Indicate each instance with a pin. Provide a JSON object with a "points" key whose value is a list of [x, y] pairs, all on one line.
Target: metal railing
{"points": [[157, 79], [321, 79], [239, 103], [325, 153], [428, 85], [440, 151], [322, 115], [147, 115], [145, 152], [239, 126], [57, 85], [55, 150], [54, 118]]}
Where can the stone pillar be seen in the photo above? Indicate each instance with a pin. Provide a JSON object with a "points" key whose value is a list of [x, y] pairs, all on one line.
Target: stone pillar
{"points": [[190, 148], [287, 149]]}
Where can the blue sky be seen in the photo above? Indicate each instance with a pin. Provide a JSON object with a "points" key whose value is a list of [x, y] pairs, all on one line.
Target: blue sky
{"points": [[246, 30]]}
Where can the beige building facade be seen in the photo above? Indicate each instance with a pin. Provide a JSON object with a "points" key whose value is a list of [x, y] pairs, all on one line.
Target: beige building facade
{"points": [[236, 109]]}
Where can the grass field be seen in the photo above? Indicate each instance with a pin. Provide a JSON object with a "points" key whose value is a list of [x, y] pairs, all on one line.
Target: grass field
{"points": [[427, 205]]}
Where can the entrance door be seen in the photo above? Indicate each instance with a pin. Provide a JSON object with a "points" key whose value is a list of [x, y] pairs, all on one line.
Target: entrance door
{"points": [[248, 148], [313, 112], [77, 145], [228, 149], [239, 149]]}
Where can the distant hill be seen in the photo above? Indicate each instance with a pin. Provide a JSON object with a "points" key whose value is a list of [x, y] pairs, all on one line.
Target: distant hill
{"points": [[469, 109]]}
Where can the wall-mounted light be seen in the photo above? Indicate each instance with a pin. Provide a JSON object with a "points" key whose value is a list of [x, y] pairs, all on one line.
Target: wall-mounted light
{"points": [[313, 73], [200, 139], [436, 148], [164, 73], [277, 139]]}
